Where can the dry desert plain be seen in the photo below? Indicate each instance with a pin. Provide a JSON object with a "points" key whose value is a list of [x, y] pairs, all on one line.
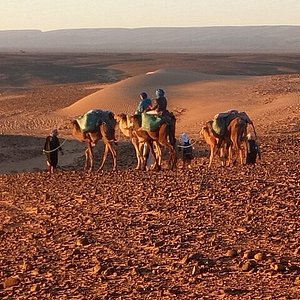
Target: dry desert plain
{"points": [[219, 233]]}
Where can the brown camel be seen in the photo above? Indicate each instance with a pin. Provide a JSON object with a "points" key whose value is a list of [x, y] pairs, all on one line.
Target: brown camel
{"points": [[213, 141], [235, 138], [237, 131], [163, 136], [125, 126], [106, 132]]}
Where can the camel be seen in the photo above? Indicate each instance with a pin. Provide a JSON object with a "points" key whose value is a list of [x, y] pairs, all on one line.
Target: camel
{"points": [[125, 126], [106, 132], [237, 131], [163, 136], [213, 141], [235, 138]]}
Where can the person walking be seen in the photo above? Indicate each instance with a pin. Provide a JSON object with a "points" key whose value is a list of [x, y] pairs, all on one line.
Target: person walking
{"points": [[51, 148]]}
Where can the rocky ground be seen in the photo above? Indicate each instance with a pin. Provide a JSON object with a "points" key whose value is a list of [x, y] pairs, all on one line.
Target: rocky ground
{"points": [[229, 233], [219, 233]]}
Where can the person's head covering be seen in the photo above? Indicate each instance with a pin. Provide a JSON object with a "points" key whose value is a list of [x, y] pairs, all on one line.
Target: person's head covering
{"points": [[143, 95], [185, 138], [54, 132], [159, 93], [250, 136]]}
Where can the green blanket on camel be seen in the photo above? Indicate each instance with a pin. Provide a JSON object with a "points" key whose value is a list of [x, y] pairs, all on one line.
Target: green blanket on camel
{"points": [[151, 122], [90, 121]]}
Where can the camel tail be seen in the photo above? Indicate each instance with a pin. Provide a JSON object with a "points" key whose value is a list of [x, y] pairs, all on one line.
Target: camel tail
{"points": [[254, 130]]}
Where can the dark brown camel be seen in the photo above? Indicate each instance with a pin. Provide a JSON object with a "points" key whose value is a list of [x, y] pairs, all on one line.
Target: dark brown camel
{"points": [[234, 138], [106, 132], [237, 131]]}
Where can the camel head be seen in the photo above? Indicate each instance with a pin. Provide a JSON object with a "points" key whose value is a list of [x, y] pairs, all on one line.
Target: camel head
{"points": [[120, 117], [203, 130]]}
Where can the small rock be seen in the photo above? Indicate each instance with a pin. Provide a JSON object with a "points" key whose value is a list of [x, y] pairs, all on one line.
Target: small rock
{"points": [[96, 269], [231, 253], [278, 267], [11, 281], [249, 265], [35, 288], [249, 254], [260, 256], [76, 251], [297, 280], [26, 266], [195, 270], [83, 241]]}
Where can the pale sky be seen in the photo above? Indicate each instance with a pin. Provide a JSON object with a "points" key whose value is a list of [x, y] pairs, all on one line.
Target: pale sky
{"points": [[65, 14]]}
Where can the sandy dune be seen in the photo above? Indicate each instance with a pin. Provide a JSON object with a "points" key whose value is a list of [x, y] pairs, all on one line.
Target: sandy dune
{"points": [[195, 97]]}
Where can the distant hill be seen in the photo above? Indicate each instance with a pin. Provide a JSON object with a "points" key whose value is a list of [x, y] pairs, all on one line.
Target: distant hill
{"points": [[242, 39]]}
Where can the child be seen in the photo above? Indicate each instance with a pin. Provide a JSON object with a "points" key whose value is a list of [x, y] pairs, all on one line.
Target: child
{"points": [[253, 150], [187, 152], [51, 148]]}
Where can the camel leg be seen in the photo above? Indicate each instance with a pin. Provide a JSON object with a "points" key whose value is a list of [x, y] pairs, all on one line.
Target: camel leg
{"points": [[222, 156], [156, 155], [244, 152], [229, 159], [212, 151], [114, 155], [144, 150], [89, 158], [135, 144], [172, 158], [106, 148]]}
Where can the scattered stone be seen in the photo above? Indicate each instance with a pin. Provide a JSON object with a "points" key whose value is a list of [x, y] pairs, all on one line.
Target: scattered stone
{"points": [[248, 266], [278, 267], [35, 288], [249, 254], [297, 281], [11, 281], [196, 270], [260, 256], [231, 253], [83, 241], [96, 269]]}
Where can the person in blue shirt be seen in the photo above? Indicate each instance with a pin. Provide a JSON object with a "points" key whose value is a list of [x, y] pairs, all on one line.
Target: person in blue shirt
{"points": [[144, 104], [187, 151]]}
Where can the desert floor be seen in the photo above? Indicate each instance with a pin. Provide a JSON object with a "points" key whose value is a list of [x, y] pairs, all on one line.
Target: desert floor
{"points": [[184, 234]]}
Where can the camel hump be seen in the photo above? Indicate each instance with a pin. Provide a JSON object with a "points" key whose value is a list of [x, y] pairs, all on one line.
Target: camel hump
{"points": [[91, 120], [243, 115], [222, 120]]}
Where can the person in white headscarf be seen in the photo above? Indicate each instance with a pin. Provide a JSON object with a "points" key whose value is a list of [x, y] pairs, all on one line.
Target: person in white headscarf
{"points": [[51, 148], [187, 151]]}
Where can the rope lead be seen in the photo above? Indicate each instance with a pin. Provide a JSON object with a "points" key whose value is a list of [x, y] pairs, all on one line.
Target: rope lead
{"points": [[49, 151]]}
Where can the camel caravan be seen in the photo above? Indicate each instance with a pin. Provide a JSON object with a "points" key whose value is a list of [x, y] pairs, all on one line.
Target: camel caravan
{"points": [[227, 136]]}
